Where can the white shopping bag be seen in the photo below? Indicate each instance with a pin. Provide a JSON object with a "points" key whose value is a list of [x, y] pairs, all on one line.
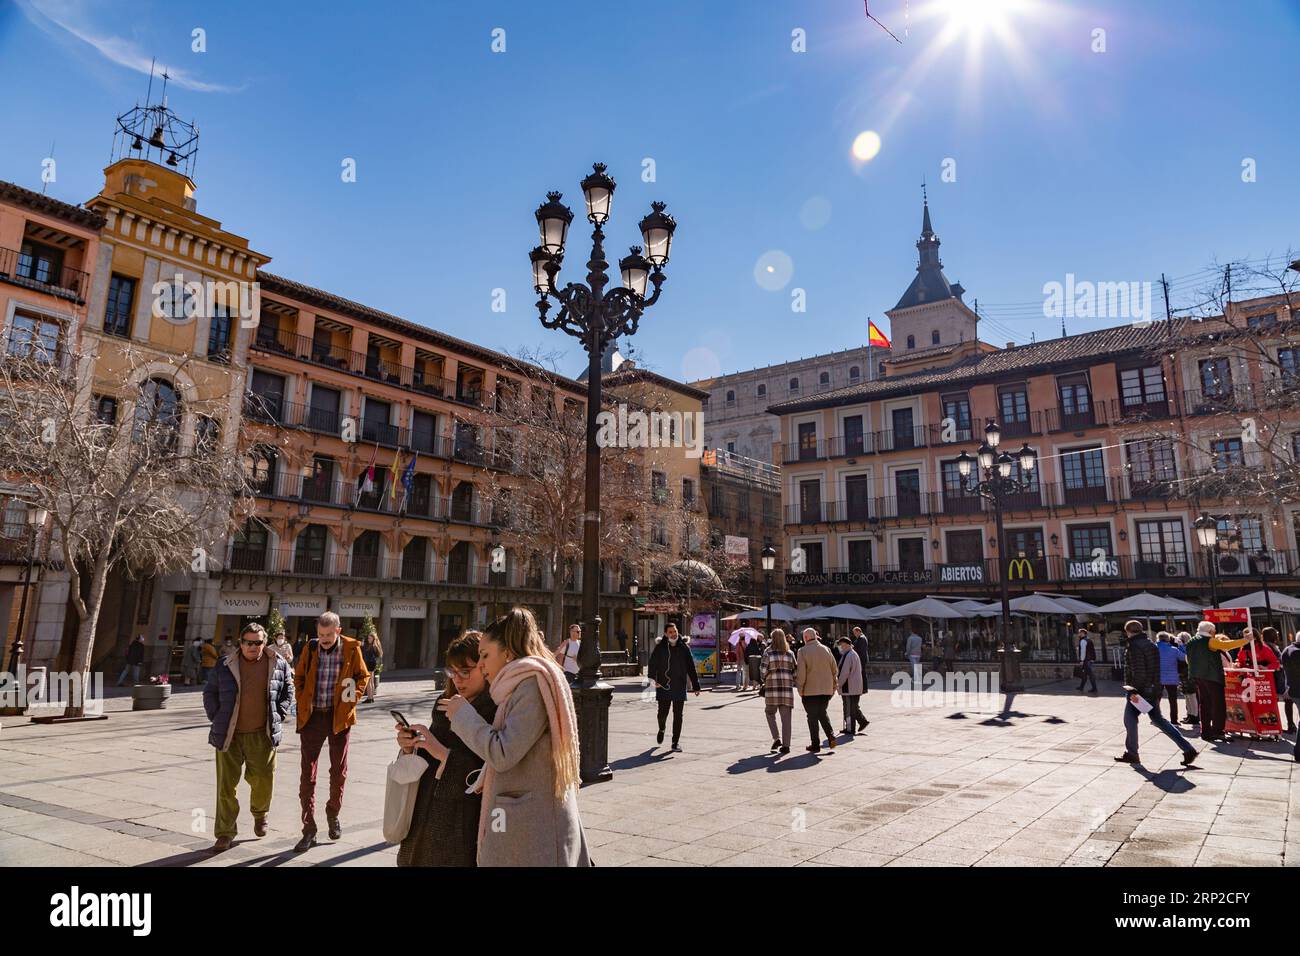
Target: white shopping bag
{"points": [[402, 785]]}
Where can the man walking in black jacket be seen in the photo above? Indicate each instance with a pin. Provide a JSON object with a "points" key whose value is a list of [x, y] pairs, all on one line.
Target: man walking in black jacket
{"points": [[672, 668], [1142, 684]]}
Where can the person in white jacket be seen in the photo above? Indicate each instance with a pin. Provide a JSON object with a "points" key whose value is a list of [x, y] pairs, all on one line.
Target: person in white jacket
{"points": [[850, 687]]}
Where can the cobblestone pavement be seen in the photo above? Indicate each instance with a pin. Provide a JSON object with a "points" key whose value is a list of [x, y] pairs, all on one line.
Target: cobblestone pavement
{"points": [[1027, 780]]}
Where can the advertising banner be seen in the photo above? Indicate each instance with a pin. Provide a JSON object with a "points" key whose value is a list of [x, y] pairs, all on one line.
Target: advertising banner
{"points": [[704, 644], [1251, 700]]}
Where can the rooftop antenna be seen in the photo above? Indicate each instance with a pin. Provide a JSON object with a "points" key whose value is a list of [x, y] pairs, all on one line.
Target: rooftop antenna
{"points": [[866, 6]]}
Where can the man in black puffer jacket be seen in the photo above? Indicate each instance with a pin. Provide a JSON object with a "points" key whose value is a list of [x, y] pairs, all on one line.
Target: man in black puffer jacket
{"points": [[1142, 683], [672, 669], [247, 696]]}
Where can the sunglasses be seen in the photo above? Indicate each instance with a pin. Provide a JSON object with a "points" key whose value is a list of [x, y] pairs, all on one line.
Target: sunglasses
{"points": [[461, 672], [251, 643]]}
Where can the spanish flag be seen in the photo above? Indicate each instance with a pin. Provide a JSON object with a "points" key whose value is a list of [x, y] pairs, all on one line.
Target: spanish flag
{"points": [[875, 336], [394, 470]]}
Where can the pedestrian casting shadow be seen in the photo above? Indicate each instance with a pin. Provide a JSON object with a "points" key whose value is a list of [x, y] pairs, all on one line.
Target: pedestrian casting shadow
{"points": [[749, 764], [188, 858], [794, 762], [640, 760], [734, 700], [363, 851], [1170, 781]]}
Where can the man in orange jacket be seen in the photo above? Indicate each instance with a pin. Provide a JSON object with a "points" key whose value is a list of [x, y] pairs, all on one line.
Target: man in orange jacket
{"points": [[328, 680]]}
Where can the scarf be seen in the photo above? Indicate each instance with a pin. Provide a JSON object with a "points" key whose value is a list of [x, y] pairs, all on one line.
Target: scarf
{"points": [[562, 721]]}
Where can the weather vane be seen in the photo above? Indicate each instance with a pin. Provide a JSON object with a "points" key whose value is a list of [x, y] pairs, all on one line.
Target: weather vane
{"points": [[866, 5]]}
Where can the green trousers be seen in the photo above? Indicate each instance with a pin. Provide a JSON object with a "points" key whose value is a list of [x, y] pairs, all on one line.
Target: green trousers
{"points": [[252, 755]]}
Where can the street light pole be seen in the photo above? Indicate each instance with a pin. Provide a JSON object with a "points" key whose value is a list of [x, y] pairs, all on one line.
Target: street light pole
{"points": [[993, 482], [36, 518], [596, 317], [768, 559], [1207, 533], [1264, 561]]}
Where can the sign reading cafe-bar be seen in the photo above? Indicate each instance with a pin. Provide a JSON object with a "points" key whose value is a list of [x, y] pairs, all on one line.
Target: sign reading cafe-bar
{"points": [[944, 573]]}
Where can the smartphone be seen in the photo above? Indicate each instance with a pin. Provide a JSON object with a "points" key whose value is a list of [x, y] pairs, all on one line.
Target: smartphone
{"points": [[397, 716]]}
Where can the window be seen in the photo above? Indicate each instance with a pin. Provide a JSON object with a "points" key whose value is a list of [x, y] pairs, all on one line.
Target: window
{"points": [[857, 495], [742, 505], [1216, 377], [957, 499], [688, 491], [424, 433], [318, 480], [1162, 548], [1261, 320], [731, 448], [34, 338], [956, 409], [1143, 385], [1013, 403], [824, 378], [1295, 448], [934, 337], [911, 554], [259, 469], [309, 550], [158, 414], [854, 373], [911, 341], [853, 435], [1083, 476], [1086, 540], [762, 391], [117, 313], [731, 397], [1226, 453], [860, 555], [965, 547], [375, 425], [105, 409], [1288, 361], [39, 263], [907, 491], [365, 555], [1076, 400], [248, 550], [219, 334], [207, 432], [807, 441], [813, 559], [810, 501], [323, 413], [1150, 466], [265, 396], [904, 432], [1024, 560], [414, 559], [794, 385], [15, 520]]}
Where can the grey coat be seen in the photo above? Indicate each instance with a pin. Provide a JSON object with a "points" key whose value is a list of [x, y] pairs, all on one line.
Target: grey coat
{"points": [[526, 824], [850, 674]]}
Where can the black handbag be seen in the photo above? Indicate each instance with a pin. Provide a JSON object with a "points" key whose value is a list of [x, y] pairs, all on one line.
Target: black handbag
{"points": [[1079, 671]]}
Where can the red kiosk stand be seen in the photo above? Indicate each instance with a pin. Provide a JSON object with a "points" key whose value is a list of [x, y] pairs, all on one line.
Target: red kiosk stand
{"points": [[1249, 693]]}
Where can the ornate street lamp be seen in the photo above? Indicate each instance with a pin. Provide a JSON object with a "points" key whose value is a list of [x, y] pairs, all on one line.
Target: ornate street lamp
{"points": [[632, 587], [994, 482], [1207, 535], [595, 317], [768, 558], [36, 518]]}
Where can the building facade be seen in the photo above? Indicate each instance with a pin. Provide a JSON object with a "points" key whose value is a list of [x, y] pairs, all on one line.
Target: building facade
{"points": [[872, 493], [743, 497]]}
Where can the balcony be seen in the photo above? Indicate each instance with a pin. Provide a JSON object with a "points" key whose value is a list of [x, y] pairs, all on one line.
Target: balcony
{"points": [[1151, 489], [813, 450], [1223, 400], [64, 282], [330, 355], [850, 446], [1060, 420], [1140, 409], [1022, 427], [901, 439], [960, 435]]}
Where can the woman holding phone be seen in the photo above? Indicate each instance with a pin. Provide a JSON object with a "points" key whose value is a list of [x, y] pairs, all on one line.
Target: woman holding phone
{"points": [[530, 751], [444, 825]]}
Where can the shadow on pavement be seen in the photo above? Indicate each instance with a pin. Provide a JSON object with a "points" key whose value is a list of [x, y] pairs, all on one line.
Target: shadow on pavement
{"points": [[640, 760]]}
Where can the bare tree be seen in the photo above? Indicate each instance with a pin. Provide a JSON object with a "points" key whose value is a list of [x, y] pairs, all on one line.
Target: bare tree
{"points": [[536, 489], [134, 477], [1247, 328]]}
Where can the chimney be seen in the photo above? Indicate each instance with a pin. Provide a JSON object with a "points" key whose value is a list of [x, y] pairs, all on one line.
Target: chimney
{"points": [[1011, 345]]}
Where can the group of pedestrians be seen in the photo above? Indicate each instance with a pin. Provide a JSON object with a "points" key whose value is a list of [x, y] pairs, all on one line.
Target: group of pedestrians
{"points": [[501, 743], [1156, 671]]}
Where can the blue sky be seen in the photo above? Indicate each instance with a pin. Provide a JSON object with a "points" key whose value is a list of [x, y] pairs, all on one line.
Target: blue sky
{"points": [[1114, 166]]}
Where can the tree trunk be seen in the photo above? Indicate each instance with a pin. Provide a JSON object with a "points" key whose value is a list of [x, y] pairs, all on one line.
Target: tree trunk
{"points": [[84, 653], [555, 615]]}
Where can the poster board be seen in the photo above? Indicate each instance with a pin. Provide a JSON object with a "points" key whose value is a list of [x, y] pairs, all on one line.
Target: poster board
{"points": [[1249, 693], [704, 643]]}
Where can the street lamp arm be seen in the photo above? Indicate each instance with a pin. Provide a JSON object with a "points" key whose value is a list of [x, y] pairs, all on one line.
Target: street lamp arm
{"points": [[575, 303]]}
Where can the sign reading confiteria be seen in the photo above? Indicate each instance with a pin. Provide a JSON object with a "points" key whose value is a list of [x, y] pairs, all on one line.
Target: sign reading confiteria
{"points": [[249, 605], [302, 605], [406, 610], [356, 607]]}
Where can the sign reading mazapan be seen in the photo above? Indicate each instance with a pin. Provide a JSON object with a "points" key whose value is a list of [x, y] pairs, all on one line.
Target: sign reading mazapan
{"points": [[248, 605]]}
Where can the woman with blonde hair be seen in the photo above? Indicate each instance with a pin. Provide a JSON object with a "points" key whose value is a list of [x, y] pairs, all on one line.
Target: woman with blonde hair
{"points": [[777, 673], [529, 749]]}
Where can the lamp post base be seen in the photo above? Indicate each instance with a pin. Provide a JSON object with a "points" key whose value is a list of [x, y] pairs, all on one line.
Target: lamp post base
{"points": [[1009, 669], [591, 702]]}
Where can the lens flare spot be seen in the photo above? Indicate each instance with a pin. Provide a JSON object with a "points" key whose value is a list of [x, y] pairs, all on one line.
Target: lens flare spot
{"points": [[773, 270], [815, 213], [866, 146]]}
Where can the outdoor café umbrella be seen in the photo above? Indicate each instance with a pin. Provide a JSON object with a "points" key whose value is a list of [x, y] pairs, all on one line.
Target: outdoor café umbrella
{"points": [[929, 608], [848, 612], [780, 612], [814, 613], [1146, 603], [1281, 603]]}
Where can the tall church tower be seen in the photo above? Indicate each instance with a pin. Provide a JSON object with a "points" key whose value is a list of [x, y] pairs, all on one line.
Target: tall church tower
{"points": [[931, 312]]}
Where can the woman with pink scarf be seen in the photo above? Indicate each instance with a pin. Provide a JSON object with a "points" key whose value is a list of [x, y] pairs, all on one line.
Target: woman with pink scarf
{"points": [[530, 751]]}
